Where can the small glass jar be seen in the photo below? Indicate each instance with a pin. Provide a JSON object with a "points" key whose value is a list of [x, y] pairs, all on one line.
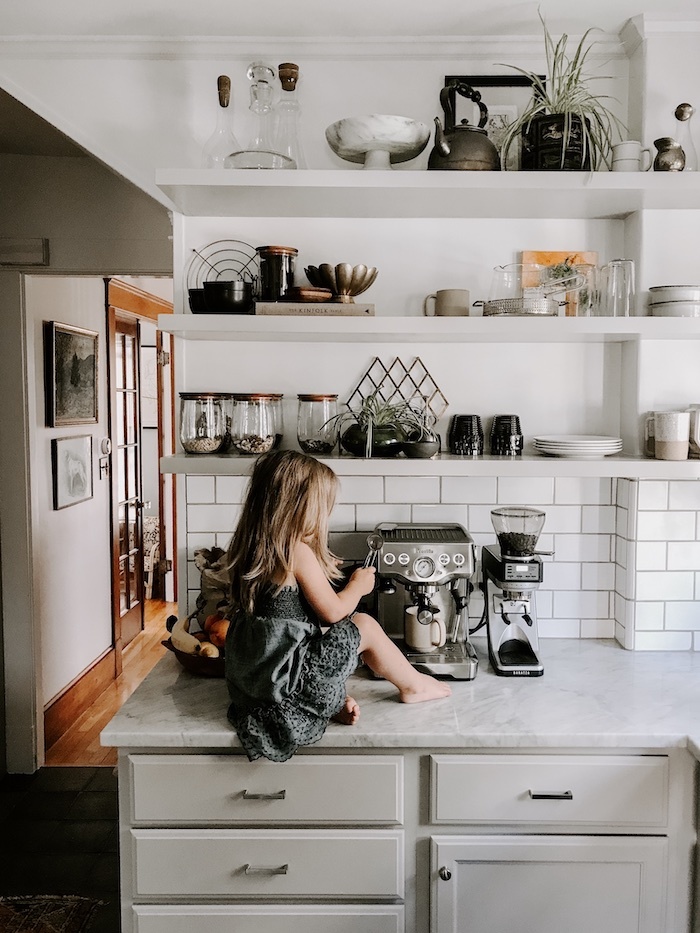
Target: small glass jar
{"points": [[316, 432], [205, 422], [253, 429], [278, 416], [276, 271]]}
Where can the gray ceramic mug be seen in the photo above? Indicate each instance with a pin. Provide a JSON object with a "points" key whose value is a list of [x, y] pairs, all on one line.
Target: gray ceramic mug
{"points": [[447, 302]]}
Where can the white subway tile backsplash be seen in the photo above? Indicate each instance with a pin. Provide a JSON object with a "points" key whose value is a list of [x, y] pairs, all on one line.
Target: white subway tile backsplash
{"points": [[196, 541], [663, 641], [518, 490], [622, 582], [651, 555], [544, 601], [562, 576], [212, 518], [559, 628], [342, 518], [580, 490], [367, 516], [598, 520], [589, 605], [649, 617], [622, 490], [665, 585], [682, 615], [355, 489], [653, 495], [684, 556], [441, 513], [597, 628], [582, 547], [684, 494], [412, 489], [480, 522], [562, 519], [598, 576], [231, 488], [201, 489], [461, 489], [666, 526]]}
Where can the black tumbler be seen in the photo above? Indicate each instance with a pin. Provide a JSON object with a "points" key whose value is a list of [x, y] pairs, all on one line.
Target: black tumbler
{"points": [[506, 436], [465, 435]]}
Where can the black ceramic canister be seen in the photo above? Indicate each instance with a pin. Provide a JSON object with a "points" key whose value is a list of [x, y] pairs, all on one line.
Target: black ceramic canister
{"points": [[276, 271], [506, 436]]}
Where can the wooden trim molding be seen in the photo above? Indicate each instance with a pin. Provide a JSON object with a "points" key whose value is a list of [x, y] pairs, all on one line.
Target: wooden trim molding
{"points": [[127, 297], [77, 697]]}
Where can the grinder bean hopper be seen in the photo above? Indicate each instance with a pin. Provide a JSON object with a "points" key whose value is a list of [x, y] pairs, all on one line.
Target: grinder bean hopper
{"points": [[512, 571]]}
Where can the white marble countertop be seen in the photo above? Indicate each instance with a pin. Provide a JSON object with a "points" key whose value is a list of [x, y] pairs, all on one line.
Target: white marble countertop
{"points": [[593, 694]]}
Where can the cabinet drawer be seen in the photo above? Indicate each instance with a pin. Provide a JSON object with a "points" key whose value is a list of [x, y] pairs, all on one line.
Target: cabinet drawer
{"points": [[626, 791], [250, 864], [230, 789], [283, 918]]}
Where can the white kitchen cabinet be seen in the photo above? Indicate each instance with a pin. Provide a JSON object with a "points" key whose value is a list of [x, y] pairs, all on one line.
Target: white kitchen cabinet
{"points": [[548, 884]]}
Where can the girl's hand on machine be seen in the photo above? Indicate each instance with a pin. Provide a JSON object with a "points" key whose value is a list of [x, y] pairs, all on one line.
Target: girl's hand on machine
{"points": [[364, 579]]}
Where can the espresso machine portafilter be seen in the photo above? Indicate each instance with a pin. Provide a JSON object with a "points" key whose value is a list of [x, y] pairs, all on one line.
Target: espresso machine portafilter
{"points": [[512, 572]]}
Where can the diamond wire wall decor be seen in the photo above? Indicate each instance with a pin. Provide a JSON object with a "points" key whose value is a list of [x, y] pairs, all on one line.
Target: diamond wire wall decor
{"points": [[400, 383]]}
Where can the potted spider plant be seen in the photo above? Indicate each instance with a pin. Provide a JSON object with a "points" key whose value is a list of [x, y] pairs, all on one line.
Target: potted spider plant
{"points": [[379, 428], [565, 126]]}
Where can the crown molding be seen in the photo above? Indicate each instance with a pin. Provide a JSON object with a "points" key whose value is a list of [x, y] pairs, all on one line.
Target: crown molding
{"points": [[486, 49], [647, 26]]}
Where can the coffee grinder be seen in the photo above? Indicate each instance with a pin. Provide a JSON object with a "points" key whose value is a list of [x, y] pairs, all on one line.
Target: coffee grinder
{"points": [[433, 564], [512, 571]]}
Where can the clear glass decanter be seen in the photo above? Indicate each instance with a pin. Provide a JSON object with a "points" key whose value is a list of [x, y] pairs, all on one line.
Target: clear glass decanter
{"points": [[261, 151], [222, 141], [287, 116], [684, 136]]}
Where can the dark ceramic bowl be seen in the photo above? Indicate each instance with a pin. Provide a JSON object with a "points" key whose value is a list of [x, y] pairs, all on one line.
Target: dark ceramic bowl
{"points": [[228, 297], [202, 667], [196, 299], [421, 450]]}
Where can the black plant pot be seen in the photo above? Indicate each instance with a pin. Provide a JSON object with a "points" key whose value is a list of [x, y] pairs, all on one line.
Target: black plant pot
{"points": [[386, 441], [543, 140]]}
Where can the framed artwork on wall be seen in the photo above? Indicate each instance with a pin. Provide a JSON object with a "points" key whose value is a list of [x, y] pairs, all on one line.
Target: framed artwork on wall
{"points": [[71, 462], [505, 97], [70, 374]]}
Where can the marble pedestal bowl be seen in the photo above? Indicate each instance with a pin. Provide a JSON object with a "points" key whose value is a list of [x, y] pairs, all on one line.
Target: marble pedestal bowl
{"points": [[378, 139]]}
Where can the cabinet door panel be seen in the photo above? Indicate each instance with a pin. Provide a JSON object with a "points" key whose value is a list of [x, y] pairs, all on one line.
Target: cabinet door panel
{"points": [[284, 918], [547, 884], [218, 789], [241, 863]]}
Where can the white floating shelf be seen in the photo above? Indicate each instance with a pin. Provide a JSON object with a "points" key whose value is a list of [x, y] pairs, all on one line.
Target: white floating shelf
{"points": [[449, 465], [422, 330], [398, 193]]}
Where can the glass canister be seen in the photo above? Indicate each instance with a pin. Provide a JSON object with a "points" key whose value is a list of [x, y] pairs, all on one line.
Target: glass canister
{"points": [[278, 418], [253, 429], [205, 422], [276, 271], [316, 433]]}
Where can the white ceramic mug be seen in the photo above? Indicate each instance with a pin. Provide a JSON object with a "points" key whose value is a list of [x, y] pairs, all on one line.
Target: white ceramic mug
{"points": [[671, 433], [630, 156], [423, 636], [694, 432], [447, 302]]}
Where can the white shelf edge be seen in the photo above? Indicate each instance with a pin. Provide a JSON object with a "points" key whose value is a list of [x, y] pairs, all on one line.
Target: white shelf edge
{"points": [[449, 465], [315, 329]]}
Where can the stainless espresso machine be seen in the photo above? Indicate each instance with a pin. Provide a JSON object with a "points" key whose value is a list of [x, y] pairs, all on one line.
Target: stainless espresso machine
{"points": [[433, 564], [512, 571]]}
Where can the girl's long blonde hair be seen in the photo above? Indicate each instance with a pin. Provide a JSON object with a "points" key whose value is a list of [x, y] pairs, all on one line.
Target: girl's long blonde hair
{"points": [[288, 500]]}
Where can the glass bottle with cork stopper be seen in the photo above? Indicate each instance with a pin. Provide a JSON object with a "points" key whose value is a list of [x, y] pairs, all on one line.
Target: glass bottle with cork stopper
{"points": [[261, 151], [222, 141], [287, 116], [683, 113]]}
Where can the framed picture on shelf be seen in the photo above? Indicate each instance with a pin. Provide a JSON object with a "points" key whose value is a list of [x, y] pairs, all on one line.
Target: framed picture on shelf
{"points": [[505, 97], [70, 374], [71, 462]]}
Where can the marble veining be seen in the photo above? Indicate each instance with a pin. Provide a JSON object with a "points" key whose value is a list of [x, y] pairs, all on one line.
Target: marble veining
{"points": [[593, 694]]}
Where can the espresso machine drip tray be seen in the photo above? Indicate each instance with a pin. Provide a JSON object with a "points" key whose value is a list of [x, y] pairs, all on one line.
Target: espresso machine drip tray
{"points": [[458, 661]]}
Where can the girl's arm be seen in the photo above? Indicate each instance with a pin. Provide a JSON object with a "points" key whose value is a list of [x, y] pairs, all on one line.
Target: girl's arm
{"points": [[330, 606]]}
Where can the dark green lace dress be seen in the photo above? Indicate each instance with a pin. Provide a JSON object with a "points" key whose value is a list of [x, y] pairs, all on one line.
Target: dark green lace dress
{"points": [[285, 676]]}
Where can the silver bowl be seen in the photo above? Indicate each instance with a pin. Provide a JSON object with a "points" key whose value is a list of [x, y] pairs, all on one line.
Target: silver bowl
{"points": [[344, 280]]}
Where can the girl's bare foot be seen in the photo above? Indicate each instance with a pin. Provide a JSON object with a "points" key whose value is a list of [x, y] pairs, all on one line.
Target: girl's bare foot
{"points": [[349, 714], [424, 688]]}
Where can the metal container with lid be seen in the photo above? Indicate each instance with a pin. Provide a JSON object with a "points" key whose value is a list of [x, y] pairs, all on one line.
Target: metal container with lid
{"points": [[317, 430], [205, 422], [276, 271], [253, 422]]}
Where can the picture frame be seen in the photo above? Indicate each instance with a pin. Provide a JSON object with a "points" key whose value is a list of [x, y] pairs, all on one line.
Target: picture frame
{"points": [[70, 374], [148, 381], [71, 464], [505, 97]]}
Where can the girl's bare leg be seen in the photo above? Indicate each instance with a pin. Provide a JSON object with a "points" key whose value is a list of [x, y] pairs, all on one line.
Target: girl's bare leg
{"points": [[386, 660], [349, 714]]}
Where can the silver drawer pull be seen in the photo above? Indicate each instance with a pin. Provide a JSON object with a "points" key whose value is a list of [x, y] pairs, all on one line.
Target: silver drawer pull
{"points": [[277, 795], [551, 795], [266, 869]]}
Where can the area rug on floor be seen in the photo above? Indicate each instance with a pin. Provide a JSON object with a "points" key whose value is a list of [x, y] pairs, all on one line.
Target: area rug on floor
{"points": [[46, 913]]}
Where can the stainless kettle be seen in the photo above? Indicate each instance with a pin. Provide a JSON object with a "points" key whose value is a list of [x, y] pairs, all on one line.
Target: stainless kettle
{"points": [[463, 147]]}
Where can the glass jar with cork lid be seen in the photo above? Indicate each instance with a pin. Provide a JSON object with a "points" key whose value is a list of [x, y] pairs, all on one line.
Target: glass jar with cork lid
{"points": [[317, 430], [253, 423]]}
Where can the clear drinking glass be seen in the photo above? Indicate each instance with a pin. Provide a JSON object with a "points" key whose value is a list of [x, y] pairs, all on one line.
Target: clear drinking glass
{"points": [[617, 288]]}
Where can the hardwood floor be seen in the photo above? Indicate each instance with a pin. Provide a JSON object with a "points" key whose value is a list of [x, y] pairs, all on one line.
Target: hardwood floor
{"points": [[80, 745]]}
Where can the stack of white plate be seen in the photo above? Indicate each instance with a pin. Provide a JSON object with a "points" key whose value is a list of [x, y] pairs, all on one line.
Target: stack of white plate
{"points": [[578, 446], [674, 300]]}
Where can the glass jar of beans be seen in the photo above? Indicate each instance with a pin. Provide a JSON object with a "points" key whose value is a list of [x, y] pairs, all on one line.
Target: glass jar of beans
{"points": [[253, 424], [316, 428], [205, 422]]}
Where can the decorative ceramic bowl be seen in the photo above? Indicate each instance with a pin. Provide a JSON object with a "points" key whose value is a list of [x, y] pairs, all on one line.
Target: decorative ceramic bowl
{"points": [[196, 664], [378, 139], [344, 280]]}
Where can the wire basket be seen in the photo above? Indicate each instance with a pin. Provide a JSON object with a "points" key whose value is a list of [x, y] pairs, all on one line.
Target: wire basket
{"points": [[522, 307], [225, 260]]}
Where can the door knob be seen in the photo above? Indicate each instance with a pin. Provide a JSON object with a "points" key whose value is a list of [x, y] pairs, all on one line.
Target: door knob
{"points": [[445, 873]]}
